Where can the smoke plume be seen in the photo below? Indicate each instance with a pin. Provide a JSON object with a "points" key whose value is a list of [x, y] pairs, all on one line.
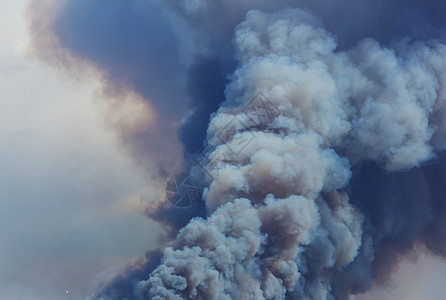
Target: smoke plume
{"points": [[328, 192], [280, 225]]}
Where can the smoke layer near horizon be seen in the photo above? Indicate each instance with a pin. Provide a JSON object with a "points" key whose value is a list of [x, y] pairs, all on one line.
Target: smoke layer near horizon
{"points": [[326, 196]]}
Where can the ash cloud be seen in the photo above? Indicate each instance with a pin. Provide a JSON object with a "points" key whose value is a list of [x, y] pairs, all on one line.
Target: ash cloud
{"points": [[121, 287], [337, 108], [205, 86], [332, 193]]}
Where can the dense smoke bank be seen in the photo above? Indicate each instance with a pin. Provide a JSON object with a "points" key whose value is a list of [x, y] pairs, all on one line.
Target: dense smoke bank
{"points": [[343, 177], [280, 225]]}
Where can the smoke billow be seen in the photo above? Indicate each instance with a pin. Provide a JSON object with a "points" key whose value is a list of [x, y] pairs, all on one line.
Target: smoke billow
{"points": [[280, 224], [325, 195]]}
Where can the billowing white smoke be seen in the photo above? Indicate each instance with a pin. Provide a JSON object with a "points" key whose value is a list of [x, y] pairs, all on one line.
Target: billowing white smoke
{"points": [[280, 224]]}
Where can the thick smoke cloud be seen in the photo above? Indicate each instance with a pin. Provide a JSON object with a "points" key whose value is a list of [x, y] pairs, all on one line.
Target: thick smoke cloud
{"points": [[172, 218], [206, 80], [299, 235], [328, 195], [120, 287], [350, 21], [151, 47], [117, 38]]}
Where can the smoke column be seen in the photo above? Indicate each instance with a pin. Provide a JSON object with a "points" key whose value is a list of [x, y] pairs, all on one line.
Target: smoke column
{"points": [[280, 225], [327, 195]]}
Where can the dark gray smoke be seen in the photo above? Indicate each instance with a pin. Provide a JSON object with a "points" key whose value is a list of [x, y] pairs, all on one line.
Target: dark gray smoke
{"points": [[324, 198], [279, 220]]}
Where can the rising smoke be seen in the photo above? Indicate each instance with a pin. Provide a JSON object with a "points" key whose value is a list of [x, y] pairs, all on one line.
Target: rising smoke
{"points": [[279, 225], [329, 194]]}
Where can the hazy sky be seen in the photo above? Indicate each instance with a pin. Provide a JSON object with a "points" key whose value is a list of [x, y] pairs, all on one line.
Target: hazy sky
{"points": [[422, 278], [70, 215], [70, 212]]}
